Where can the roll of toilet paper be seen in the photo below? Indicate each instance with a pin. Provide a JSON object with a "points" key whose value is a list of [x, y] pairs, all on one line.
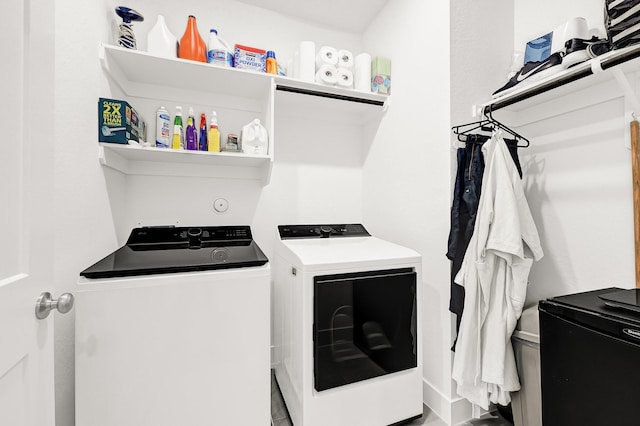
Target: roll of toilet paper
{"points": [[306, 63], [327, 75], [345, 59], [362, 78], [327, 55], [345, 78]]}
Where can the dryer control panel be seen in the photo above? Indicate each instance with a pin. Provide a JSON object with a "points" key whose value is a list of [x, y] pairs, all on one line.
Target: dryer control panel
{"points": [[322, 231]]}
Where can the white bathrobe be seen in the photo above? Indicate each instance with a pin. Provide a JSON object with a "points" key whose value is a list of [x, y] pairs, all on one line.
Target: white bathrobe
{"points": [[494, 274]]}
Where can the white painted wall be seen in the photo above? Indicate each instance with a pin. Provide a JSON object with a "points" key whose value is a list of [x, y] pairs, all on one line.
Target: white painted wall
{"points": [[407, 171], [88, 200]]}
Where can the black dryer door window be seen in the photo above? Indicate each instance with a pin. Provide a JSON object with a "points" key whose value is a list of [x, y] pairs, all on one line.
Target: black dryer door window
{"points": [[364, 326]]}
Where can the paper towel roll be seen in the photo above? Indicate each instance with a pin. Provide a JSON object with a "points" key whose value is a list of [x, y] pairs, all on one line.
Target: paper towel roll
{"points": [[306, 66], [345, 59], [327, 55], [327, 75], [363, 72], [345, 78]]}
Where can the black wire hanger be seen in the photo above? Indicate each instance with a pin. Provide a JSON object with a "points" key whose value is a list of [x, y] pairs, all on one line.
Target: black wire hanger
{"points": [[488, 124]]}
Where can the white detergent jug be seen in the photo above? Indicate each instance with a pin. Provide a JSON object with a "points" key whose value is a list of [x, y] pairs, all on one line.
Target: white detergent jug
{"points": [[218, 50], [254, 138], [160, 41]]}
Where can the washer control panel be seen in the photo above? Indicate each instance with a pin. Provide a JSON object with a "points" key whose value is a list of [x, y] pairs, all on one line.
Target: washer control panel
{"points": [[322, 231]]}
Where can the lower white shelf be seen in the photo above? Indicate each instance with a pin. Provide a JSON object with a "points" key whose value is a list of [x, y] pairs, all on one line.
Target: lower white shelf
{"points": [[135, 160]]}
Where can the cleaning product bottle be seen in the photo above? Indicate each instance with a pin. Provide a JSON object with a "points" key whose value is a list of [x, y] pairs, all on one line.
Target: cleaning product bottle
{"points": [[254, 138], [191, 134], [160, 41], [213, 136], [192, 46], [272, 64], [178, 136], [218, 51], [163, 127], [203, 141]]}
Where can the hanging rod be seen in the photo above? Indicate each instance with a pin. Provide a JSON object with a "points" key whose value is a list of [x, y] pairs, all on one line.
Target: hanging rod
{"points": [[328, 95], [605, 63]]}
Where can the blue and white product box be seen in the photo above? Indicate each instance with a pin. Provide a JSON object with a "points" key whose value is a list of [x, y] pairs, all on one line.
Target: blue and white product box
{"points": [[250, 58]]}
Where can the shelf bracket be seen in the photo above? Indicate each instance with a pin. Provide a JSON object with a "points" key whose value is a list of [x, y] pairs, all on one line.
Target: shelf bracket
{"points": [[631, 103]]}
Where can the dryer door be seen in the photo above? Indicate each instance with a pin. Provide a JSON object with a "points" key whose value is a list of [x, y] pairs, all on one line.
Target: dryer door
{"points": [[364, 326]]}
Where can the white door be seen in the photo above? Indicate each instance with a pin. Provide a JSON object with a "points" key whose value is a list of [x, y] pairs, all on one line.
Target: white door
{"points": [[26, 243]]}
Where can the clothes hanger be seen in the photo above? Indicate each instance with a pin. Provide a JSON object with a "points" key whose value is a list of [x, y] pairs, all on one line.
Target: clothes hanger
{"points": [[518, 137], [488, 124]]}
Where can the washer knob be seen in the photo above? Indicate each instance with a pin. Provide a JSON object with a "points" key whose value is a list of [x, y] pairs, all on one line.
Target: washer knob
{"points": [[325, 231], [194, 237]]}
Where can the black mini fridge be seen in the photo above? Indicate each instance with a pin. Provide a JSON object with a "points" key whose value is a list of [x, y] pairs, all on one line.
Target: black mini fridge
{"points": [[590, 358]]}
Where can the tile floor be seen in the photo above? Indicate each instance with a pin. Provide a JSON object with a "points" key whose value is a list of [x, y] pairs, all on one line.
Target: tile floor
{"points": [[280, 416]]}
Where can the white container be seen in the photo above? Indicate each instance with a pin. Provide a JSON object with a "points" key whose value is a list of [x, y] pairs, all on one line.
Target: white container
{"points": [[254, 138], [362, 78], [163, 128], [218, 51], [160, 41]]}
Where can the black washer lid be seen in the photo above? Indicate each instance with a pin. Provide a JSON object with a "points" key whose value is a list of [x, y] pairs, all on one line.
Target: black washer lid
{"points": [[162, 250]]}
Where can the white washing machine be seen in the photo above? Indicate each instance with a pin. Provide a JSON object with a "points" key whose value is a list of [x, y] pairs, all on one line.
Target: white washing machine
{"points": [[173, 329], [346, 327]]}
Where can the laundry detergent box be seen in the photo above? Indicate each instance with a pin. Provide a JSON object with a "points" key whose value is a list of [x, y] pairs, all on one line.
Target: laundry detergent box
{"points": [[118, 122], [381, 75], [250, 58]]}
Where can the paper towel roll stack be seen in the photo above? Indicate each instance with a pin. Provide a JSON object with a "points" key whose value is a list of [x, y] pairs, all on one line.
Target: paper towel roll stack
{"points": [[363, 72], [332, 67]]}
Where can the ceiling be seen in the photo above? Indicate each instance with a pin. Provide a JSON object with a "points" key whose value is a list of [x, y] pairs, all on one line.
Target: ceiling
{"points": [[354, 15]]}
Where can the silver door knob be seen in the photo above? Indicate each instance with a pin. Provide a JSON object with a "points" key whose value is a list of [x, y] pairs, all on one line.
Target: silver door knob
{"points": [[46, 304]]}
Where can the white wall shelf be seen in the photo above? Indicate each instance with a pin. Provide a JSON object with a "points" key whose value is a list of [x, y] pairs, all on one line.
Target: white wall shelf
{"points": [[135, 160], [139, 74], [587, 83]]}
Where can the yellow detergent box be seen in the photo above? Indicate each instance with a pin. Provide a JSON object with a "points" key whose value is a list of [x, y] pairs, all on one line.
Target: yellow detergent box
{"points": [[118, 122], [381, 75]]}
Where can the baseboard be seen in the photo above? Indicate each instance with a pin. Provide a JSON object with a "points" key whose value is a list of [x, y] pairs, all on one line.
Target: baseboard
{"points": [[451, 411]]}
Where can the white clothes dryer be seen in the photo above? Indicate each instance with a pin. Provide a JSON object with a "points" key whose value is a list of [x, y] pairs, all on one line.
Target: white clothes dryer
{"points": [[346, 327]]}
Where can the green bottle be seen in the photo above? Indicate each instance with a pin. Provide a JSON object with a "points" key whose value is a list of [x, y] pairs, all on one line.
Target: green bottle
{"points": [[177, 142]]}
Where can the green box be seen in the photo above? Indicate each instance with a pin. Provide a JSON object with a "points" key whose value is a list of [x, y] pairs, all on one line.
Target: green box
{"points": [[381, 75], [118, 122]]}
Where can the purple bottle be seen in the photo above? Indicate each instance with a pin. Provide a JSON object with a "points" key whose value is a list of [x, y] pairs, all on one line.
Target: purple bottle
{"points": [[191, 133]]}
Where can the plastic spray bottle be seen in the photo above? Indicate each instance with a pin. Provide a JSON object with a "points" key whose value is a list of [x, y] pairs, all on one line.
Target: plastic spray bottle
{"points": [[214, 134], [163, 128], [177, 142], [191, 134], [202, 142]]}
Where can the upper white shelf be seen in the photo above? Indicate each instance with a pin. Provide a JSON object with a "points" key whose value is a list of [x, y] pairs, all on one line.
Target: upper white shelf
{"points": [[140, 74], [583, 79], [145, 75]]}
